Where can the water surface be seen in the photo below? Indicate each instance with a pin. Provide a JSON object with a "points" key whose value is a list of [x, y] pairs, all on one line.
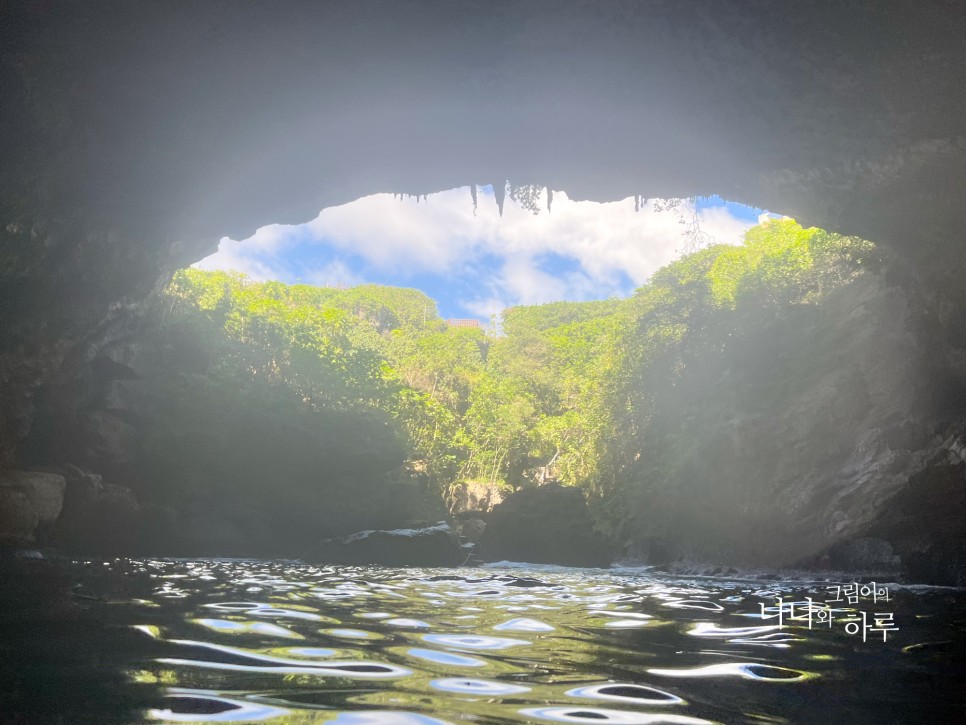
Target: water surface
{"points": [[223, 641]]}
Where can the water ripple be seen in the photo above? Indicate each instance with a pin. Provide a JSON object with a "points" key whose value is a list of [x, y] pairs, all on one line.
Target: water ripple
{"points": [[201, 706], [477, 687], [747, 670], [281, 642], [376, 717], [461, 641], [638, 694], [525, 625], [597, 714], [446, 658], [362, 669]]}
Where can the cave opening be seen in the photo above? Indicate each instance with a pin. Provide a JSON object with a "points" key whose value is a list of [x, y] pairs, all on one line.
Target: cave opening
{"points": [[276, 388]]}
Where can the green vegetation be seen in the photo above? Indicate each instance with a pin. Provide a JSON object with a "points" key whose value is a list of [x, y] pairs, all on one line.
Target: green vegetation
{"points": [[581, 392]]}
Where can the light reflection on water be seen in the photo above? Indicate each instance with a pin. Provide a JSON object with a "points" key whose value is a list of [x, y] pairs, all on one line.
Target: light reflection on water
{"points": [[367, 645]]}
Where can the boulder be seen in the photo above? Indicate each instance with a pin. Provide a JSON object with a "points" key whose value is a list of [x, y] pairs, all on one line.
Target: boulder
{"points": [[82, 486], [119, 500], [18, 519], [431, 546], [29, 499], [99, 518], [548, 524], [474, 496], [864, 554], [45, 491], [471, 530]]}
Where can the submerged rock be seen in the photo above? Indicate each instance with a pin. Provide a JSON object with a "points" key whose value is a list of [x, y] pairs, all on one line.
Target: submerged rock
{"points": [[548, 524], [431, 546]]}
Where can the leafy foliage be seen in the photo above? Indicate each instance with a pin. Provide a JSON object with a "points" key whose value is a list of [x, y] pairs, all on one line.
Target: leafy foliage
{"points": [[577, 392]]}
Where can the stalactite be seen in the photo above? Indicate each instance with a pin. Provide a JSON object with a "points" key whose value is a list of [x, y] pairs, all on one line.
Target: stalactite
{"points": [[549, 199], [473, 195], [499, 192], [637, 202]]}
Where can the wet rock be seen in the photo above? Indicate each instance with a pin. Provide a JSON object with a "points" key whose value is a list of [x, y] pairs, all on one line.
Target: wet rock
{"points": [[82, 486], [943, 563], [647, 551], [545, 525], [45, 491], [108, 437], [28, 500], [864, 554], [99, 518], [474, 496], [118, 499], [925, 522], [525, 583], [109, 520], [18, 520], [80, 502], [432, 546], [471, 530]]}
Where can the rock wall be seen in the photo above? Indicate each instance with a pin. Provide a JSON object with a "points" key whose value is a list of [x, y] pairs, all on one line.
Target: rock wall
{"points": [[831, 425]]}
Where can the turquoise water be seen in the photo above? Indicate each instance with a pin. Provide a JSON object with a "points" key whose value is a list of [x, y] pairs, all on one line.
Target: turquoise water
{"points": [[222, 641]]}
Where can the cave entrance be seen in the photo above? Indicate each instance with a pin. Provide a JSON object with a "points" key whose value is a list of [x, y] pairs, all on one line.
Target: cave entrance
{"points": [[477, 251], [424, 356]]}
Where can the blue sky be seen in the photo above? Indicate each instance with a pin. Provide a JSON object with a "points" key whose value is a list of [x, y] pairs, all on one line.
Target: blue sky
{"points": [[474, 262]]}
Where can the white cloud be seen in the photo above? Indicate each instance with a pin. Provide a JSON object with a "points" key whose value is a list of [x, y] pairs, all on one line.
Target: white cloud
{"points": [[484, 308], [236, 256], [592, 248], [721, 226], [333, 274]]}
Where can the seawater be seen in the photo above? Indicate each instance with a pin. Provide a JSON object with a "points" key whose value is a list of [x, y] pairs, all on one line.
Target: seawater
{"points": [[282, 642]]}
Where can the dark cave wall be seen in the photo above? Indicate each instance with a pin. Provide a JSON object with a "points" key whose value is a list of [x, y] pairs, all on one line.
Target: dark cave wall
{"points": [[134, 135]]}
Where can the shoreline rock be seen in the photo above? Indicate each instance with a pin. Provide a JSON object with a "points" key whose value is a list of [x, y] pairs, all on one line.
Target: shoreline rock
{"points": [[547, 524], [433, 546]]}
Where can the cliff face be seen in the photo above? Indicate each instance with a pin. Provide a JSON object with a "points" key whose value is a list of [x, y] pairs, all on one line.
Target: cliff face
{"points": [[832, 424], [134, 135], [164, 455]]}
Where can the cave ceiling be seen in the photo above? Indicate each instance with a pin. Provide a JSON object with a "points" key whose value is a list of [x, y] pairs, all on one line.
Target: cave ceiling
{"points": [[163, 126]]}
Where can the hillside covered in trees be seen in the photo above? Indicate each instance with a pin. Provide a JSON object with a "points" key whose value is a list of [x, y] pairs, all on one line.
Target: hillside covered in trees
{"points": [[381, 407]]}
